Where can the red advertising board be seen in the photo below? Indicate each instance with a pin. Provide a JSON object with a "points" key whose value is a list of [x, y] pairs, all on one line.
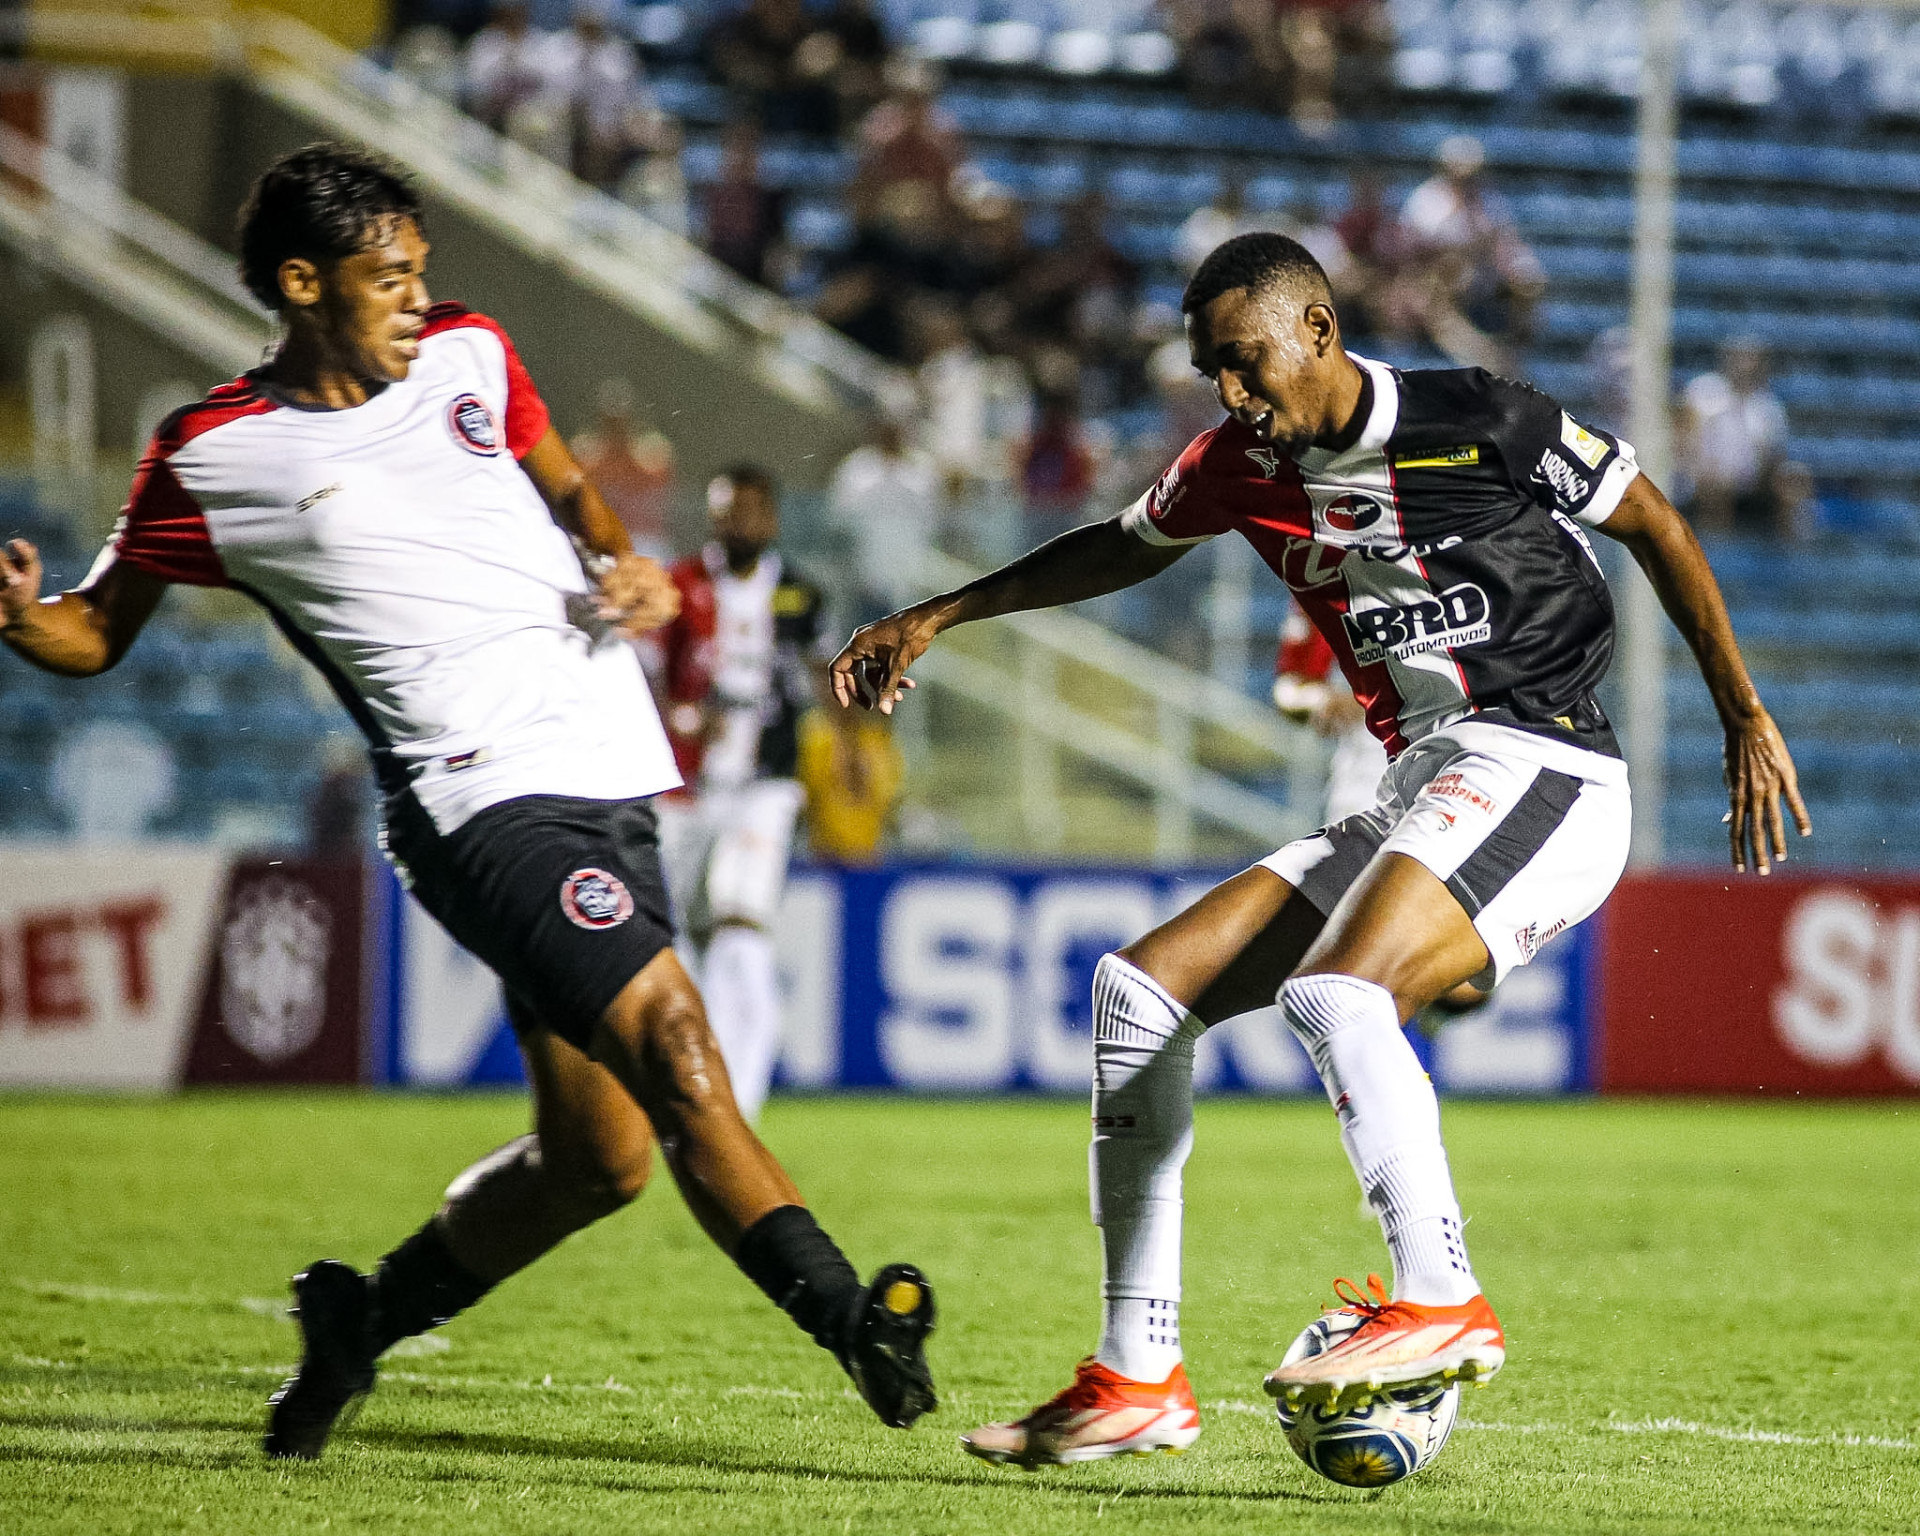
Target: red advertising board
{"points": [[1736, 984]]}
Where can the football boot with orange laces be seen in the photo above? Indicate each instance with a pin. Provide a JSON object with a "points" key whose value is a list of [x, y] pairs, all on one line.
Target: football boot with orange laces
{"points": [[1399, 1344], [1101, 1414]]}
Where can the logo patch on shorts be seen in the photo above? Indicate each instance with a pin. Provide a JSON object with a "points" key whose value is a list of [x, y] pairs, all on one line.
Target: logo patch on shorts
{"points": [[594, 899], [472, 426]]}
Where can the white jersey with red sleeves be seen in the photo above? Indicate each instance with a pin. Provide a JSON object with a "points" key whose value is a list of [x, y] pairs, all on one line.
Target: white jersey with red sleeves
{"points": [[1441, 554], [400, 547]]}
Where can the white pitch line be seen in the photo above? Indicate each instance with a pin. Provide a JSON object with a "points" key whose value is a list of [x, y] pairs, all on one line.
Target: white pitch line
{"points": [[1755, 1436]]}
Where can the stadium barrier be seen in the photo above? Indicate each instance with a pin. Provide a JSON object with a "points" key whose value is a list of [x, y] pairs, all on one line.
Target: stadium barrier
{"points": [[163, 965]]}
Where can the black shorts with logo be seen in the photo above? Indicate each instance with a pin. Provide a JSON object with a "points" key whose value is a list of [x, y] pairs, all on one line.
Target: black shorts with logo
{"points": [[563, 899]]}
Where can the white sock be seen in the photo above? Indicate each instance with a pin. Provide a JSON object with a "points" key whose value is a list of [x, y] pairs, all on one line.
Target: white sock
{"points": [[1142, 1133], [742, 989], [1390, 1125]]}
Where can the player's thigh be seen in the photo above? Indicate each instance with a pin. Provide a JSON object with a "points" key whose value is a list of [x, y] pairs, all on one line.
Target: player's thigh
{"points": [[1228, 953], [1399, 927], [591, 1131]]}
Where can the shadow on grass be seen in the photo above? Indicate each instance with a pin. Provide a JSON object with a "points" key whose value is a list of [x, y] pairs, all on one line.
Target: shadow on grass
{"points": [[711, 1455]]}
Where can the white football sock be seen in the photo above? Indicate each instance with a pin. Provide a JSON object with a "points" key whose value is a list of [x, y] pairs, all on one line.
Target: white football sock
{"points": [[1390, 1125], [1142, 1133], [741, 985]]}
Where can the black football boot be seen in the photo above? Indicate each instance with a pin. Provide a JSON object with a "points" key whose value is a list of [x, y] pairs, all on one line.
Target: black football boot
{"points": [[336, 1373], [884, 1348]]}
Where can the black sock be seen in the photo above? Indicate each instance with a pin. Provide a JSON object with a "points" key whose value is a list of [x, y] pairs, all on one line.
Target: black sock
{"points": [[787, 1255], [416, 1287]]}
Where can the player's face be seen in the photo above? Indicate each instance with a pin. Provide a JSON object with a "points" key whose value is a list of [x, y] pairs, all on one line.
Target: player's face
{"points": [[745, 518], [373, 304], [1267, 359]]}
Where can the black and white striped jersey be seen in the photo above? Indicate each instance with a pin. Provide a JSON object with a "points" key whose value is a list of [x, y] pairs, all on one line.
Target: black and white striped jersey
{"points": [[1442, 554]]}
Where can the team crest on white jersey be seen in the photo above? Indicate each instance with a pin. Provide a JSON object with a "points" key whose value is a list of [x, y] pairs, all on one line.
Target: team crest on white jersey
{"points": [[594, 899], [472, 426]]}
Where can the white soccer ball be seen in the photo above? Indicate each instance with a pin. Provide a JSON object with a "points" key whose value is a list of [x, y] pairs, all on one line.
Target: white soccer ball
{"points": [[1389, 1439]]}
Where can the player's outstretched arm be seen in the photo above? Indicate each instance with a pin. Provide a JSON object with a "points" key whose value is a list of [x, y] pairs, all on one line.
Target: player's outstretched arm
{"points": [[1760, 770], [1087, 562], [635, 592], [80, 633]]}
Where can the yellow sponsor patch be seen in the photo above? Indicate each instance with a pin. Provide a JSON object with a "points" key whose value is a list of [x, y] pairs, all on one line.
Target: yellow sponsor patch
{"points": [[1446, 458], [1581, 443], [791, 602]]}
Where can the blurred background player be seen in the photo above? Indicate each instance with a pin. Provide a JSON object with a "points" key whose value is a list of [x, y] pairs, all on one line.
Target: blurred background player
{"points": [[851, 770], [742, 665], [1308, 688]]}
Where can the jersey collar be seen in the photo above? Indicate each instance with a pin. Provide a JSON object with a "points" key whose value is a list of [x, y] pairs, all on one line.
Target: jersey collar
{"points": [[1382, 418]]}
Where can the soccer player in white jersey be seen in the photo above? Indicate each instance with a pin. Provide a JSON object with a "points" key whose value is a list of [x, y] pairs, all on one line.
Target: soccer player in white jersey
{"points": [[1435, 527], [387, 486]]}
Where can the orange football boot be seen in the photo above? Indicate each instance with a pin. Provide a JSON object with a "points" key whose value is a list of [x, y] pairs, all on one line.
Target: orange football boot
{"points": [[1101, 1414], [1400, 1344]]}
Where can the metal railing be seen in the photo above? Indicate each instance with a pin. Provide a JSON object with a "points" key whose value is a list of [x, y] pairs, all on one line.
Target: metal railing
{"points": [[57, 212], [1183, 706]]}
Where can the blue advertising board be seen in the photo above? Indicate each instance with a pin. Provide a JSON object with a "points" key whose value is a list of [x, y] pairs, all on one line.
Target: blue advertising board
{"points": [[977, 979]]}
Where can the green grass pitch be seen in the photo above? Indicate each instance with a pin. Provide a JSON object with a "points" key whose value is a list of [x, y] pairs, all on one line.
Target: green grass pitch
{"points": [[1713, 1312]]}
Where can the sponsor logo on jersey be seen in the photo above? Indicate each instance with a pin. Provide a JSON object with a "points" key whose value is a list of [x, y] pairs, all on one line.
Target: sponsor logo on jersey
{"points": [[472, 426], [1352, 512], [461, 760], [313, 498], [1456, 617], [1573, 488], [1393, 554], [594, 899], [1464, 457], [1166, 491], [1454, 786], [1266, 459], [1581, 443]]}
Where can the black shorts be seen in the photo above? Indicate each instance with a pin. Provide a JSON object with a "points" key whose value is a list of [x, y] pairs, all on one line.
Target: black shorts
{"points": [[563, 899]]}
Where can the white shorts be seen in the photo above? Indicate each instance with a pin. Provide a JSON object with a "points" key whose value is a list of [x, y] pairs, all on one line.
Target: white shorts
{"points": [[726, 853], [1530, 834]]}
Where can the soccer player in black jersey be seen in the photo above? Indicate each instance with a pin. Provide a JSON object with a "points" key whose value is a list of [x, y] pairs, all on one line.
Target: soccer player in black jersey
{"points": [[1435, 526]]}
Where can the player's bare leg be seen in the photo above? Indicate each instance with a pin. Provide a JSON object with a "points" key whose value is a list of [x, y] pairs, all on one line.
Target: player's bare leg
{"points": [[1397, 940], [657, 1066], [1225, 955]]}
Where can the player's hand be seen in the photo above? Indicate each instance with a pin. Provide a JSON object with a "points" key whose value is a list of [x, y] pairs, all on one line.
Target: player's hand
{"points": [[871, 670], [1759, 776], [20, 576], [638, 594]]}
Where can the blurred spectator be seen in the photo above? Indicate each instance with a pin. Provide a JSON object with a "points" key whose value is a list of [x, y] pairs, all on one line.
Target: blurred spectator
{"points": [[859, 76], [851, 771], [1480, 280], [456, 19], [746, 219], [778, 65], [429, 56], [906, 141], [1297, 56], [885, 499], [1079, 299], [507, 65], [1610, 381], [1732, 441], [631, 465], [971, 405], [597, 73], [1215, 223], [1057, 468], [656, 182]]}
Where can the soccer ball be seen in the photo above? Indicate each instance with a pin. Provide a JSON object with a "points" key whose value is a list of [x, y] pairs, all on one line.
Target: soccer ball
{"points": [[1388, 1439]]}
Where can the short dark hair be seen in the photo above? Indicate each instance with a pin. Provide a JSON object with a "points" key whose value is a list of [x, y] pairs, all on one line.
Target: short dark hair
{"points": [[751, 477], [1254, 262], [319, 203]]}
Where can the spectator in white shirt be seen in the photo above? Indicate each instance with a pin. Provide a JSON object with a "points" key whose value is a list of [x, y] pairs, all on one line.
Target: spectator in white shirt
{"points": [[885, 497], [597, 72], [1733, 438], [1481, 273], [507, 65]]}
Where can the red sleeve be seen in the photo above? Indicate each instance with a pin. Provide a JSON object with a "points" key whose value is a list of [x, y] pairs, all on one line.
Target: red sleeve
{"points": [[162, 530], [527, 418], [1304, 652], [1221, 479]]}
